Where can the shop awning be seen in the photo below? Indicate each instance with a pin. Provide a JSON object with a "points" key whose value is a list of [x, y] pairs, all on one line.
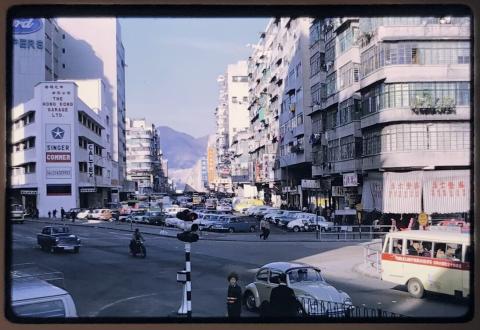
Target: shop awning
{"points": [[446, 191], [402, 192], [372, 192]]}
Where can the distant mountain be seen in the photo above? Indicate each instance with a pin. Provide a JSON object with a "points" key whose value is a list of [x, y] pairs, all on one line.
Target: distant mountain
{"points": [[182, 150]]}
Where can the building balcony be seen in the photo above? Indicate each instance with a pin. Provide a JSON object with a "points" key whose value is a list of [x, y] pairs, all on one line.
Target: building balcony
{"points": [[25, 156], [418, 32], [416, 159], [24, 180], [417, 73], [412, 115]]}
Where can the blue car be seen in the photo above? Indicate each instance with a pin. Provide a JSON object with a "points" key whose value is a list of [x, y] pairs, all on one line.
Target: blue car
{"points": [[234, 224]]}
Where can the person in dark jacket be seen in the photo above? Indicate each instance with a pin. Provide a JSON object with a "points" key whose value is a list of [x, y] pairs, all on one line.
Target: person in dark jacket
{"points": [[234, 297], [283, 302], [62, 213]]}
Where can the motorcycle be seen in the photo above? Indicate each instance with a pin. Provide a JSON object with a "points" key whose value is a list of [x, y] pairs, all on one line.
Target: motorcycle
{"points": [[137, 247]]}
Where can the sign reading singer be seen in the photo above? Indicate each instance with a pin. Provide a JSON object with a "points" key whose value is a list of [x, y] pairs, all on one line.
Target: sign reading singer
{"points": [[91, 166]]}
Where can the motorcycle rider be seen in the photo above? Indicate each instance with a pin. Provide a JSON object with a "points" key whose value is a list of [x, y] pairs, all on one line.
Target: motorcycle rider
{"points": [[136, 237]]}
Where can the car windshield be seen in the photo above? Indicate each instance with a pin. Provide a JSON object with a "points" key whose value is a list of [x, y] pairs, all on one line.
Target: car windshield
{"points": [[60, 230], [304, 275]]}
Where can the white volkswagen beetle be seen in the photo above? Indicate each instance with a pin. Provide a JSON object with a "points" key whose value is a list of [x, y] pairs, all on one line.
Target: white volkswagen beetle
{"points": [[307, 282]]}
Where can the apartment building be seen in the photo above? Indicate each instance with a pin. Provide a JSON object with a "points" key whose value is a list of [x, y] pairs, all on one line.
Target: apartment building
{"points": [[242, 185], [58, 148], [43, 51], [144, 157], [391, 118], [279, 70]]}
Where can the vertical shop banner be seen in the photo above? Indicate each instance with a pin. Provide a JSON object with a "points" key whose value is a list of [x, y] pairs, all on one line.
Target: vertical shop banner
{"points": [[372, 192], [90, 165], [402, 192], [446, 191]]}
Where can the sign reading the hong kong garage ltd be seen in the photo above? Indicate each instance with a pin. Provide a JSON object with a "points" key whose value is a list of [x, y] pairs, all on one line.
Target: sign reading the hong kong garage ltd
{"points": [[58, 114]]}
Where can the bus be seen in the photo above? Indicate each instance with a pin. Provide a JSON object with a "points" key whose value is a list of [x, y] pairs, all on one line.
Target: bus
{"points": [[428, 260]]}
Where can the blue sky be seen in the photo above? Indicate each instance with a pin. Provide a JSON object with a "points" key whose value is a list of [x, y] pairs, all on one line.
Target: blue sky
{"points": [[173, 64]]}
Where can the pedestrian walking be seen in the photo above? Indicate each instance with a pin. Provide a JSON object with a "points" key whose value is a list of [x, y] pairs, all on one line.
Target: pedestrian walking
{"points": [[36, 213], [267, 230], [49, 214], [234, 296], [262, 228], [62, 213], [54, 213], [74, 215], [283, 302]]}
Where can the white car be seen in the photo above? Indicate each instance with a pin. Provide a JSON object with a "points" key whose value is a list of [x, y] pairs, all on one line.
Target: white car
{"points": [[251, 210], [271, 213], [173, 222], [33, 297], [312, 221], [307, 282], [205, 221], [224, 208], [261, 210], [276, 218], [83, 214], [95, 214], [173, 210]]}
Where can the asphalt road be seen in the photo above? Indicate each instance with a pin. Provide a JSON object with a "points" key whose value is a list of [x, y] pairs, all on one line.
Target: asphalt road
{"points": [[106, 281]]}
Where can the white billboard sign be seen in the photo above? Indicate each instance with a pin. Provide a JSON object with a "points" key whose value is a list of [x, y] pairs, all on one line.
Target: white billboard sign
{"points": [[350, 180], [59, 172]]}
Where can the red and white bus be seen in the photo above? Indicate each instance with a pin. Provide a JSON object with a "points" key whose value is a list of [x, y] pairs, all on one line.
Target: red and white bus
{"points": [[437, 261]]}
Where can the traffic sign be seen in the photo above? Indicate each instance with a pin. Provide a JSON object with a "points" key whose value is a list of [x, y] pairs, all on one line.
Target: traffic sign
{"points": [[423, 219]]}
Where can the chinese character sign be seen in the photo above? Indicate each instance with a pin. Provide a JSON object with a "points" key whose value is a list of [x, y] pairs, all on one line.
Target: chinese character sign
{"points": [[403, 192], [446, 191]]}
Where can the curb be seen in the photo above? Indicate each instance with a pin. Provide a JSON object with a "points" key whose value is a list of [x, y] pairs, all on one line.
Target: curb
{"points": [[201, 238]]}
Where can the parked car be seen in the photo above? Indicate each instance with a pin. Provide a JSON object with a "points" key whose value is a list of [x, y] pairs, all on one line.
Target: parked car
{"points": [[137, 215], [306, 281], [205, 221], [173, 210], [69, 213], [236, 224], [261, 210], [104, 214], [17, 213], [273, 212], [276, 218], [53, 238], [224, 208], [285, 219], [36, 298], [93, 214], [173, 222], [311, 219], [83, 214], [155, 218]]}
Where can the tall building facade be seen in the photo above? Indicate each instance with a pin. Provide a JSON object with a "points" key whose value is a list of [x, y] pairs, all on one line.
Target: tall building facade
{"points": [[144, 158], [391, 123], [279, 71], [45, 51], [58, 144], [231, 117], [91, 53]]}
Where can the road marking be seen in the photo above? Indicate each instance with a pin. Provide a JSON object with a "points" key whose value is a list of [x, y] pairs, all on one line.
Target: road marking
{"points": [[122, 300]]}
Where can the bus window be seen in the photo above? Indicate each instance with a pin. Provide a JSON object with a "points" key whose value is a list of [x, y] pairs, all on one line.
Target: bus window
{"points": [[440, 250], [412, 249], [397, 246]]}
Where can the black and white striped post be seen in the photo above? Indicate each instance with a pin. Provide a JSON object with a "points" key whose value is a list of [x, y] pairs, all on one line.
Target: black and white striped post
{"points": [[188, 284]]}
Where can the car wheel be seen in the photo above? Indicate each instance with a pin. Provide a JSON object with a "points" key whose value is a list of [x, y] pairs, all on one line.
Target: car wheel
{"points": [[76, 249], [322, 229], [231, 230], [252, 229], [296, 229], [415, 288], [52, 249], [249, 301]]}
